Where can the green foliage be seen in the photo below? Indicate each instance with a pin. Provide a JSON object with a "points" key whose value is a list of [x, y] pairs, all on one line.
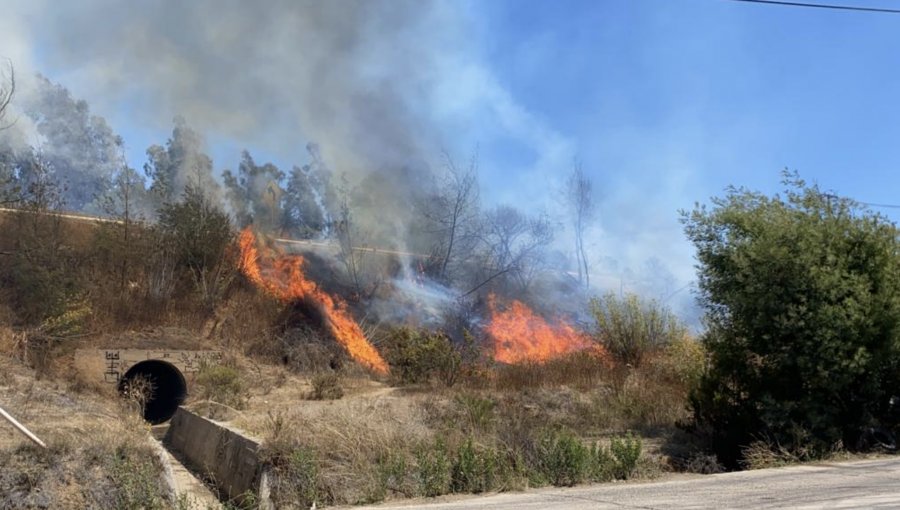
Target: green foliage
{"points": [[625, 452], [683, 362], [254, 193], [41, 270], [475, 468], [182, 163], [75, 143], [629, 328], [433, 468], [295, 467], [390, 469], [802, 301], [69, 323], [42, 292], [200, 236], [478, 412], [326, 386], [198, 230], [222, 384], [308, 199], [563, 458], [137, 482], [419, 355], [298, 476]]}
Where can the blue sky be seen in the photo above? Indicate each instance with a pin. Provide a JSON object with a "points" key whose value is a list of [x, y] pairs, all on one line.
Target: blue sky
{"points": [[670, 101], [744, 90], [664, 102]]}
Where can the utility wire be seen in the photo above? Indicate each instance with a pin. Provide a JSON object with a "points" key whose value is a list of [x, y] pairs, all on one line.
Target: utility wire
{"points": [[884, 206], [832, 196], [822, 6]]}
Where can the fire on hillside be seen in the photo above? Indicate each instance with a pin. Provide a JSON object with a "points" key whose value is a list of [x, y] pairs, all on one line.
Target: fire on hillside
{"points": [[282, 276], [520, 335]]}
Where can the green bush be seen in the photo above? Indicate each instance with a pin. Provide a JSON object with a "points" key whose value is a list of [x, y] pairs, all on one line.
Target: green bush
{"points": [[198, 229], [602, 467], [563, 458], [478, 413], [800, 294], [390, 470], [221, 384], [433, 463], [200, 236], [136, 480], [71, 322], [418, 356], [625, 453], [297, 478], [682, 362], [630, 328], [475, 469], [42, 290]]}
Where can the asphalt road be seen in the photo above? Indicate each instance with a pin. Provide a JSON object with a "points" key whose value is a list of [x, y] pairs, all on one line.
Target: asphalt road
{"points": [[861, 484]]}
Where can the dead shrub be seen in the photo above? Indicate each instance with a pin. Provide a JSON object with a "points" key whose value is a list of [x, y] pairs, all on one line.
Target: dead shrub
{"points": [[222, 384], [583, 370], [644, 400], [326, 386], [139, 391]]}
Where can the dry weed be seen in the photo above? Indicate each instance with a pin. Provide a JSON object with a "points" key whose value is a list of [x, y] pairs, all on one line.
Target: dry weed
{"points": [[98, 456]]}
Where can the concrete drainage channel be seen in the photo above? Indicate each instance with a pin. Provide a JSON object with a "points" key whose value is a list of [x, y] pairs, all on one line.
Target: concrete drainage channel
{"points": [[195, 448], [223, 456]]}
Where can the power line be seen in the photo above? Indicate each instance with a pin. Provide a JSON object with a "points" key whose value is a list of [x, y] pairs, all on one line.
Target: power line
{"points": [[822, 6], [832, 196], [884, 206]]}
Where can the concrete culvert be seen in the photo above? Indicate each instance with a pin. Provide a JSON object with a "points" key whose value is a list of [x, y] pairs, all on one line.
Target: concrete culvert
{"points": [[160, 384]]}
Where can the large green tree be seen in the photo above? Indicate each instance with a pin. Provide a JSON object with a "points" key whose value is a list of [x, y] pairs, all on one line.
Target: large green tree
{"points": [[81, 150], [802, 301], [254, 193], [182, 163]]}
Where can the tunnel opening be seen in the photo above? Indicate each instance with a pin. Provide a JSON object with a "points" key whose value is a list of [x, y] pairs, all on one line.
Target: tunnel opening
{"points": [[159, 385]]}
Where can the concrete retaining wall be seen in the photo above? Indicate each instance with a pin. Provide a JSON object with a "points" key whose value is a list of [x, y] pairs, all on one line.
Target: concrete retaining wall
{"points": [[229, 459]]}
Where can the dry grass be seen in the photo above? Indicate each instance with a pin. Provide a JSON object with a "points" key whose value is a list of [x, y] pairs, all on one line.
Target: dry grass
{"points": [[351, 440], [582, 370], [380, 443], [98, 455]]}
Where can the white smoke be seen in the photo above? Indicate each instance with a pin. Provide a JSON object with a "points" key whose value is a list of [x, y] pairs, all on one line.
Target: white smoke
{"points": [[380, 86]]}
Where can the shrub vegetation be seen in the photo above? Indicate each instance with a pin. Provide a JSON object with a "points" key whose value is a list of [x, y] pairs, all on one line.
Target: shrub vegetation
{"points": [[800, 293]]}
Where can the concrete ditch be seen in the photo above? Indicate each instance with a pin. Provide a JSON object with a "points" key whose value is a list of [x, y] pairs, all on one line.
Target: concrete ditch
{"points": [[225, 457]]}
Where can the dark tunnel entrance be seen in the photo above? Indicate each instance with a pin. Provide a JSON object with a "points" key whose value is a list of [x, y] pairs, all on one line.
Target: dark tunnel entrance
{"points": [[165, 388]]}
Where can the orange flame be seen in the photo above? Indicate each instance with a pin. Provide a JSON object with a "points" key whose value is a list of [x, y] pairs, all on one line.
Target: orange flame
{"points": [[520, 335], [282, 276]]}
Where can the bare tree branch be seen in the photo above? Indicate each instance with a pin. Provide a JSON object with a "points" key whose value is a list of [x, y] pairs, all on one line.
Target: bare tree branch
{"points": [[580, 200], [451, 213], [7, 90]]}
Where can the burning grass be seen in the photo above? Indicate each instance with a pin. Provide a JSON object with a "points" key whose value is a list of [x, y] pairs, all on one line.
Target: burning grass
{"points": [[282, 276], [522, 336]]}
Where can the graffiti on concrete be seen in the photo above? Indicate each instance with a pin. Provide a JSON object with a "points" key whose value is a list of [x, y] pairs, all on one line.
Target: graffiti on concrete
{"points": [[116, 362], [112, 375]]}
